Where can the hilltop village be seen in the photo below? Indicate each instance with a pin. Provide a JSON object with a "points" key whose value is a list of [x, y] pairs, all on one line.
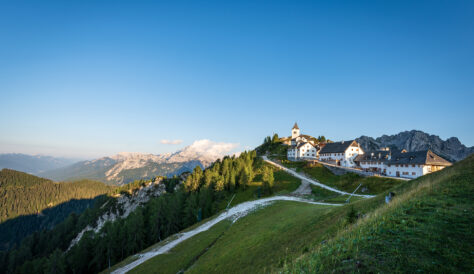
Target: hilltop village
{"points": [[349, 154]]}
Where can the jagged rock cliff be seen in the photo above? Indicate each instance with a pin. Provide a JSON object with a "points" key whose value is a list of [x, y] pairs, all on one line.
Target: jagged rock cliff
{"points": [[125, 204], [450, 149]]}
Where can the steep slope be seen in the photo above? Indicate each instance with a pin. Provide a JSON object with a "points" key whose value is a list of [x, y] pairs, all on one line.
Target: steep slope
{"points": [[32, 163], [252, 244], [179, 207], [40, 202], [426, 228], [414, 140]]}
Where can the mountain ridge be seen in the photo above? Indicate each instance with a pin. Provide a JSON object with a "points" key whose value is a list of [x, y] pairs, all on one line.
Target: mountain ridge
{"points": [[451, 149], [125, 167], [33, 164]]}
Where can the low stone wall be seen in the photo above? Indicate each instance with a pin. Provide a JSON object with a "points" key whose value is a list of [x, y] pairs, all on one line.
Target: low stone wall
{"points": [[339, 170]]}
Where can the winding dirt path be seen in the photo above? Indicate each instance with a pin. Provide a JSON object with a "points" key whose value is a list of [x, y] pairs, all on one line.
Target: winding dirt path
{"points": [[233, 214], [312, 181]]}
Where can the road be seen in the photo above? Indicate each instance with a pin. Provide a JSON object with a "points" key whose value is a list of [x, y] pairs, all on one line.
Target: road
{"points": [[312, 181], [233, 214]]}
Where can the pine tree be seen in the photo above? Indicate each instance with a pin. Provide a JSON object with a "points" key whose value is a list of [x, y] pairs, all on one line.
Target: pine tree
{"points": [[268, 180], [232, 182], [191, 209], [275, 138], [219, 186]]}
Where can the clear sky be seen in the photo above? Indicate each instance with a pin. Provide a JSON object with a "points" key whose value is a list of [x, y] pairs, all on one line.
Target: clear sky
{"points": [[93, 78]]}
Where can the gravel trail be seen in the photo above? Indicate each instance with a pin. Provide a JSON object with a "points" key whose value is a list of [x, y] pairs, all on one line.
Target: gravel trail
{"points": [[312, 181], [233, 214]]}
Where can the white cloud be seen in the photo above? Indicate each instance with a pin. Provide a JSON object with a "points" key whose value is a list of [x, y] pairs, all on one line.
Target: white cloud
{"points": [[171, 142], [218, 149]]}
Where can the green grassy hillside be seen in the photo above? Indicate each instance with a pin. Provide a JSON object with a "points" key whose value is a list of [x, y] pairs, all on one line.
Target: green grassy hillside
{"points": [[347, 182], [264, 240], [427, 228]]}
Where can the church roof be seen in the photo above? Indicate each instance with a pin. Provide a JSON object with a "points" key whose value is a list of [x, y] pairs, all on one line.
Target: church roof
{"points": [[337, 147], [295, 126]]}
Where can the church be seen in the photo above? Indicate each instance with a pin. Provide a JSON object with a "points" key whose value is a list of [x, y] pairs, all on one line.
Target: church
{"points": [[302, 147]]}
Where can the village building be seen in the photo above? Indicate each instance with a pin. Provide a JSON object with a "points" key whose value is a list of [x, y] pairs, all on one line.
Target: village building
{"points": [[415, 164], [393, 163], [374, 161], [401, 163], [301, 147], [341, 153]]}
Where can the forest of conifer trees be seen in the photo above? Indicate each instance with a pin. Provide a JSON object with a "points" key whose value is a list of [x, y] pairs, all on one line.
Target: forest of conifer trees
{"points": [[202, 194]]}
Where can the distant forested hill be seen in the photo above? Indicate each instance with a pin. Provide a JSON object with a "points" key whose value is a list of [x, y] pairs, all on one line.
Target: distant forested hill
{"points": [[29, 203], [23, 194]]}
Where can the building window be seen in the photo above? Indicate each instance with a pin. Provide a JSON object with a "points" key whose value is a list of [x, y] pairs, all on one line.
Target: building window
{"points": [[413, 173], [413, 166]]}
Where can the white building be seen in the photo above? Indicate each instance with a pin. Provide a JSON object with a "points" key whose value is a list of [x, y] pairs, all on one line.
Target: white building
{"points": [[302, 151], [341, 153], [374, 161], [302, 146], [401, 163]]}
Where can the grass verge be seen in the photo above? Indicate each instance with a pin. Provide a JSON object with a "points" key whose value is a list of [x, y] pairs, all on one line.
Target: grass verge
{"points": [[426, 228]]}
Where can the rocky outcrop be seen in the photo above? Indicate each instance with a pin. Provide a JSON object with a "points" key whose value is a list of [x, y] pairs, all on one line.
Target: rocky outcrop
{"points": [[125, 204], [414, 140]]}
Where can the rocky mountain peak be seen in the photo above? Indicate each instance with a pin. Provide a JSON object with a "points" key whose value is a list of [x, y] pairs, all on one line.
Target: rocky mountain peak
{"points": [[413, 140]]}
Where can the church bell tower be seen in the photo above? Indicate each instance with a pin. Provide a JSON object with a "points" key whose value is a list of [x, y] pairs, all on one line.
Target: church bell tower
{"points": [[295, 131]]}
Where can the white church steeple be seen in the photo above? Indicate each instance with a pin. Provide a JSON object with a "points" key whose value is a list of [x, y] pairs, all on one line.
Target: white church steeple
{"points": [[295, 131]]}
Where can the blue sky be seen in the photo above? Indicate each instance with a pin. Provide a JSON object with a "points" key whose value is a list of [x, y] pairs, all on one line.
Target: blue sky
{"points": [[93, 78]]}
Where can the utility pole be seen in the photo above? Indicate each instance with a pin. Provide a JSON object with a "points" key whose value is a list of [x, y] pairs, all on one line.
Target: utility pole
{"points": [[353, 193], [230, 202]]}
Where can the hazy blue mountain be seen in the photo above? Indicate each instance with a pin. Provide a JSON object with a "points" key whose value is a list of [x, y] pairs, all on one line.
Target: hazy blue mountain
{"points": [[33, 164]]}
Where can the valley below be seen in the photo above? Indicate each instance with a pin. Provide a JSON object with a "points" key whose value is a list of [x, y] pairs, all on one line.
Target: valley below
{"points": [[250, 213]]}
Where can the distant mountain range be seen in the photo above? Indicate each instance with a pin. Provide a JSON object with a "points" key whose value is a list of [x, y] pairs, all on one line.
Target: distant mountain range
{"points": [[127, 167], [33, 164], [450, 149]]}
